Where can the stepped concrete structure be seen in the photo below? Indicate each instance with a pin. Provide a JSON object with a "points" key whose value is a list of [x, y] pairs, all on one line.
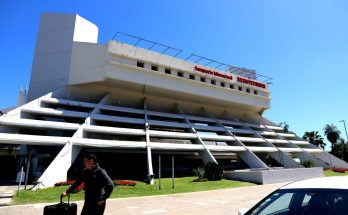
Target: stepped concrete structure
{"points": [[133, 105]]}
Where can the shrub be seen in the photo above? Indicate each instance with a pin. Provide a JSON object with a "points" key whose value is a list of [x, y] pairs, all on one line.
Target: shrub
{"points": [[199, 172], [123, 183], [213, 171], [64, 183], [200, 180], [307, 163], [70, 182], [340, 170]]}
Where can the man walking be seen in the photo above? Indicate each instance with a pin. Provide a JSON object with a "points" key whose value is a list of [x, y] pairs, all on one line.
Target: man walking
{"points": [[98, 186]]}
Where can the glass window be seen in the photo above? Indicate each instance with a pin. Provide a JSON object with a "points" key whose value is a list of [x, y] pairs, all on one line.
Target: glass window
{"points": [[192, 77], [222, 84], [180, 74], [282, 203], [167, 71], [154, 68], [202, 79], [140, 64], [213, 82]]}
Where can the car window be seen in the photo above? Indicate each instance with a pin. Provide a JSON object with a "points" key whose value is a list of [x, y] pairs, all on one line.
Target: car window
{"points": [[304, 202], [306, 199], [278, 203]]}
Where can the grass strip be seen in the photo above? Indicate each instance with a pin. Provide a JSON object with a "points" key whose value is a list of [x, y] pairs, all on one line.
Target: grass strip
{"points": [[182, 185]]}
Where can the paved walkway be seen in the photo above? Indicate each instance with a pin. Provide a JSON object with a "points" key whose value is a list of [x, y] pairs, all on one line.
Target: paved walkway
{"points": [[6, 194], [226, 201]]}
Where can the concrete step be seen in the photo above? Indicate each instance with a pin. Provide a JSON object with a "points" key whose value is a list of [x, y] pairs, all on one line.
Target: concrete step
{"points": [[5, 201], [6, 194]]}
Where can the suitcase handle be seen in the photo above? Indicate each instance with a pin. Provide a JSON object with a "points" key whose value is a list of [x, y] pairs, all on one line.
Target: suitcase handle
{"points": [[61, 198]]}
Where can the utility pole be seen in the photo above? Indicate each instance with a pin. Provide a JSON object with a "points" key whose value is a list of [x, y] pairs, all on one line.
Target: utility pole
{"points": [[345, 128]]}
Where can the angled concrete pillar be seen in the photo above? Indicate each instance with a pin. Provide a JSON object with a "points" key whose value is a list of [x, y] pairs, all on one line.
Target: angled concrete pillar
{"points": [[285, 159], [251, 159], [331, 160], [206, 155], [150, 174], [57, 170], [306, 156]]}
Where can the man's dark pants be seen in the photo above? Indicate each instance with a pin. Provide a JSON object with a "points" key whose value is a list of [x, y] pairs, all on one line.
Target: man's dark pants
{"points": [[93, 208]]}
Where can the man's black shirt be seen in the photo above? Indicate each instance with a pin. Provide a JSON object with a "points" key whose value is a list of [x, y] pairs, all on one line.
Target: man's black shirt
{"points": [[98, 185]]}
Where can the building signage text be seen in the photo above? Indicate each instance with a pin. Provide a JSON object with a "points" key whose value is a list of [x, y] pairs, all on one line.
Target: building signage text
{"points": [[250, 82], [211, 72]]}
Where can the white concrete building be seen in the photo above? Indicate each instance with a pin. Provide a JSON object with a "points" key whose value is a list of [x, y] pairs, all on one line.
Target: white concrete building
{"points": [[126, 102]]}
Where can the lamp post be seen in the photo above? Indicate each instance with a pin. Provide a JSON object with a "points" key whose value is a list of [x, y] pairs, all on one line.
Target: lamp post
{"points": [[345, 128]]}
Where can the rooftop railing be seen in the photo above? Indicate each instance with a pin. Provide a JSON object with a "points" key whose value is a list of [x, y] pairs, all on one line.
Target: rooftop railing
{"points": [[193, 58]]}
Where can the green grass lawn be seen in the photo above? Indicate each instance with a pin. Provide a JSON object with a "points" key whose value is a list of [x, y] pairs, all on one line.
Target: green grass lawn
{"points": [[182, 185], [329, 173]]}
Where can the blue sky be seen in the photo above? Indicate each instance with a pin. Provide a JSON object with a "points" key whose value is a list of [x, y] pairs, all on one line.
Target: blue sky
{"points": [[302, 45]]}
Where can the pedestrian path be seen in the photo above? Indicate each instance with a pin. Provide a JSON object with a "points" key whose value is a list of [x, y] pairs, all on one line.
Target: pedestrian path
{"points": [[6, 194], [226, 201]]}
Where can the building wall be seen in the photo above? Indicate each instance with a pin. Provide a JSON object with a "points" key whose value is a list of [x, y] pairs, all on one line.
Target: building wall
{"points": [[88, 63], [51, 63]]}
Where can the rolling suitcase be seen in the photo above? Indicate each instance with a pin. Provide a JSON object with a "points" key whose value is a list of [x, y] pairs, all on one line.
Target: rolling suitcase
{"points": [[61, 208]]}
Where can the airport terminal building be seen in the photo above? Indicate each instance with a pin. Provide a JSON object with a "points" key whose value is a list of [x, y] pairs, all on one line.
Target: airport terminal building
{"points": [[131, 104]]}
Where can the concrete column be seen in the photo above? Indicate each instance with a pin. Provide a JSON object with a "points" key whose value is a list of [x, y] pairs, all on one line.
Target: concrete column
{"points": [[150, 174], [57, 170], [251, 159], [285, 159]]}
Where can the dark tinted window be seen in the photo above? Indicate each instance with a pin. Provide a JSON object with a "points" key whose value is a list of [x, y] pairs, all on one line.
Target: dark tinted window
{"points": [[140, 64]]}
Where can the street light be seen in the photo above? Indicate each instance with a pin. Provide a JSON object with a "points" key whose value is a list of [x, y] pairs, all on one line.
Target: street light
{"points": [[345, 128]]}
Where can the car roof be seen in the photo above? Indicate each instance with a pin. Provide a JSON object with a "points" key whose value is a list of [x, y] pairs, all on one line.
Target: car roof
{"points": [[335, 182]]}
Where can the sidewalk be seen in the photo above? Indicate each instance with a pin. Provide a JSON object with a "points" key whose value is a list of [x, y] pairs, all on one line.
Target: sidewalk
{"points": [[6, 194], [226, 201]]}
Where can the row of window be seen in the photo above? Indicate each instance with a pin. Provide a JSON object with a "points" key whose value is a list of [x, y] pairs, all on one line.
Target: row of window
{"points": [[192, 77]]}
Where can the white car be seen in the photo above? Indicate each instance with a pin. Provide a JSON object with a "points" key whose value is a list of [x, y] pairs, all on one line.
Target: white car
{"points": [[317, 196]]}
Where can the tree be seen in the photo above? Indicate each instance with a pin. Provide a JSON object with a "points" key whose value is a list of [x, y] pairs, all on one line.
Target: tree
{"points": [[332, 133], [285, 126], [314, 138], [213, 171], [339, 148]]}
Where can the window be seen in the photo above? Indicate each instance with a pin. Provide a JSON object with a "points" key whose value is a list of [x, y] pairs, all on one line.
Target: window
{"points": [[240, 88], [140, 64], [180, 74], [192, 77], [248, 90], [231, 86], [202, 79], [222, 84], [167, 71], [279, 203], [255, 92], [213, 82], [154, 68]]}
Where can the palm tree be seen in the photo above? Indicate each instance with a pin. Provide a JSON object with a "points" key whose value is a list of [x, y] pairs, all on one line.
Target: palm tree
{"points": [[332, 134], [314, 138], [339, 148], [285, 126]]}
